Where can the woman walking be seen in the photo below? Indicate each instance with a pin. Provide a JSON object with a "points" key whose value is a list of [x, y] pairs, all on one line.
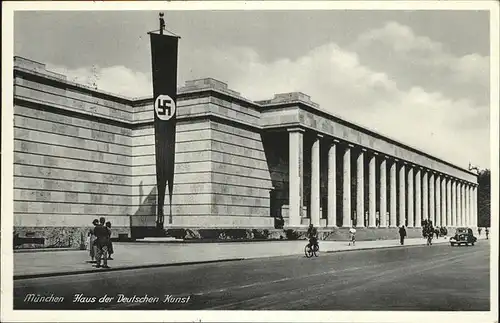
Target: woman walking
{"points": [[92, 238]]}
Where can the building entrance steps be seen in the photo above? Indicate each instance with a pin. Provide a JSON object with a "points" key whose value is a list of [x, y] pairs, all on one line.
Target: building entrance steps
{"points": [[130, 255]]}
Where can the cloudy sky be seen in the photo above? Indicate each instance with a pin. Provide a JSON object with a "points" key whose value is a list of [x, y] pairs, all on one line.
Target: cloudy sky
{"points": [[420, 77]]}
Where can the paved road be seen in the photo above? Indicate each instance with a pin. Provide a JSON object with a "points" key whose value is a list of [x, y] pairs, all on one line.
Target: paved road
{"points": [[408, 278]]}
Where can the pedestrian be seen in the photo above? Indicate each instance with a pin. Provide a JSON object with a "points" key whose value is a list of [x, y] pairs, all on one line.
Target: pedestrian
{"points": [[402, 235], [92, 239], [479, 231], [110, 246], [436, 231], [102, 241], [487, 232], [352, 236], [428, 232]]}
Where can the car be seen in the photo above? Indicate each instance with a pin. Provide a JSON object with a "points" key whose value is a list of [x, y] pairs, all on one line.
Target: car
{"points": [[464, 236]]}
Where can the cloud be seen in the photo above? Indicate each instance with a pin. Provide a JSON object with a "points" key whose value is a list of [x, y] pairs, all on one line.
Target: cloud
{"points": [[452, 128], [411, 59], [115, 79], [407, 94]]}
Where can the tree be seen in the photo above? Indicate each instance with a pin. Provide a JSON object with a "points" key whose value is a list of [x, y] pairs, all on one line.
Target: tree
{"points": [[484, 198]]}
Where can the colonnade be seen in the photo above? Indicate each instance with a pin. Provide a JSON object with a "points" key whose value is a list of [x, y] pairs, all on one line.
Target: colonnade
{"points": [[417, 194]]}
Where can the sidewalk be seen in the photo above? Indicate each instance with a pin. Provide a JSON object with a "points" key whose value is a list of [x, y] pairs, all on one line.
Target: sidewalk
{"points": [[139, 255]]}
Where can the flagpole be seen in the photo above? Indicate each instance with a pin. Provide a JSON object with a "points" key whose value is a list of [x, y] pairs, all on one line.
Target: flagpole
{"points": [[162, 23]]}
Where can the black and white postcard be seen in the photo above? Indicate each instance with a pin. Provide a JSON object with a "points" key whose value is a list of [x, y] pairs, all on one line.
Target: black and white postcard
{"points": [[250, 161]]}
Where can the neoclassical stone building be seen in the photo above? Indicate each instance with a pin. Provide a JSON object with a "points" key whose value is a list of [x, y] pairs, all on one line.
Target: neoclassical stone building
{"points": [[81, 153]]}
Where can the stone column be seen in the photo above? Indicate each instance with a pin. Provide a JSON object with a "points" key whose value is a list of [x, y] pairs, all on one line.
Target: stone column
{"points": [[402, 195], [411, 222], [296, 138], [449, 221], [432, 209], [315, 184], [438, 200], [460, 219], [425, 196], [360, 190], [372, 205], [454, 203], [475, 212], [346, 194], [418, 198], [471, 192], [383, 192], [443, 201], [393, 208], [476, 218], [459, 208], [432, 197], [465, 204], [332, 185], [464, 212], [469, 208]]}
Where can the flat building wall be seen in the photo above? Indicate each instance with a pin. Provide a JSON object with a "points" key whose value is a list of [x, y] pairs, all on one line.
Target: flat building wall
{"points": [[67, 172]]}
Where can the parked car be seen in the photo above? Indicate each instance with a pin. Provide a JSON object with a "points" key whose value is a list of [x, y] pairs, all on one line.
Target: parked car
{"points": [[463, 236]]}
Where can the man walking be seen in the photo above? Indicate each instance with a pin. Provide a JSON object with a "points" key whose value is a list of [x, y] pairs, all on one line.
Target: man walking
{"points": [[110, 243], [402, 235], [352, 236], [102, 234]]}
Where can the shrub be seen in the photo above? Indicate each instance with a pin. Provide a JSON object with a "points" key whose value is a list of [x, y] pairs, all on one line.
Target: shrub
{"points": [[292, 234]]}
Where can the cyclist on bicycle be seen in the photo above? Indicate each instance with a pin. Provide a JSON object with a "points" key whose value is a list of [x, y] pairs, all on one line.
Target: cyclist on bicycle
{"points": [[352, 236], [312, 234]]}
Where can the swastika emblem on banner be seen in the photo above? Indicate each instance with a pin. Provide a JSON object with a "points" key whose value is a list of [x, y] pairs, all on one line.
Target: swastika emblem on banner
{"points": [[164, 107]]}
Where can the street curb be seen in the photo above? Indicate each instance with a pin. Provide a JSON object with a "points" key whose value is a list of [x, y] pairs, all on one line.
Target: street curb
{"points": [[97, 270], [47, 250], [371, 248]]}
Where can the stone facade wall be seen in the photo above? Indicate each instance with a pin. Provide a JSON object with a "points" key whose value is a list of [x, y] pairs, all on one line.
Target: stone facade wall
{"points": [[68, 168], [241, 182], [221, 179], [192, 186]]}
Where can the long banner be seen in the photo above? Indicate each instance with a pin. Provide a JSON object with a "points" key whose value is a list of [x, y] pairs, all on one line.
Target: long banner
{"points": [[164, 50]]}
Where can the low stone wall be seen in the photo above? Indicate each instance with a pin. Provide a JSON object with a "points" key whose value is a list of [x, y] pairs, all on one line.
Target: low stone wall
{"points": [[340, 234], [227, 234], [57, 237], [76, 237]]}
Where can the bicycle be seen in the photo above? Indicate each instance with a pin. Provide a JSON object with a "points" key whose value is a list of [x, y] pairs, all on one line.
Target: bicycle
{"points": [[311, 249]]}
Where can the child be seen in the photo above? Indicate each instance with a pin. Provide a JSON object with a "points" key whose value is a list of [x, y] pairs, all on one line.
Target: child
{"points": [[352, 234]]}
